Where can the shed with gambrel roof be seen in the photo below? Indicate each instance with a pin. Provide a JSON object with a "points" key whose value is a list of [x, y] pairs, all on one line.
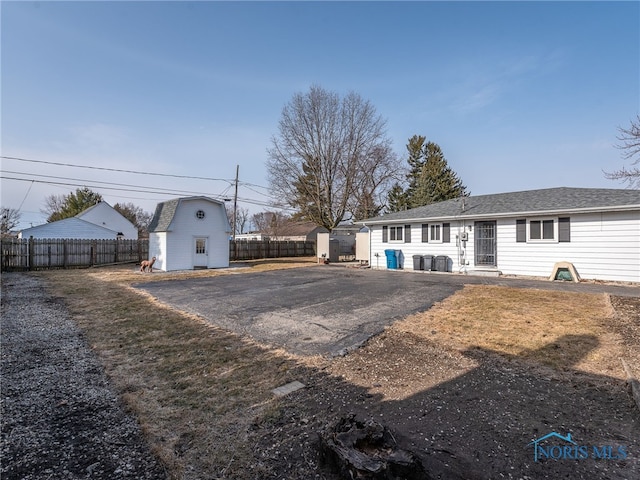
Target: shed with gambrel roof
{"points": [[189, 233]]}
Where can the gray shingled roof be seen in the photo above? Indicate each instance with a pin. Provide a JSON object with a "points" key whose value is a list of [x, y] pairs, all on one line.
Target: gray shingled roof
{"points": [[165, 211], [163, 216], [545, 201]]}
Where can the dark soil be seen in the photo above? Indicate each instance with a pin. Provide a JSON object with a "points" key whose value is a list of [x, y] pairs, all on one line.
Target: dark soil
{"points": [[478, 425]]}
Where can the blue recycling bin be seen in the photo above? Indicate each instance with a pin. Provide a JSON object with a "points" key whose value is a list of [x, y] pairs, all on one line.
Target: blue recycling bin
{"points": [[392, 259]]}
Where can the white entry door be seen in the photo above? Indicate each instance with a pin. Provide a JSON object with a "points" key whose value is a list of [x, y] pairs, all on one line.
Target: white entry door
{"points": [[201, 252]]}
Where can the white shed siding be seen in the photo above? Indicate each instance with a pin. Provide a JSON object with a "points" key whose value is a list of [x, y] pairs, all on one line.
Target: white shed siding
{"points": [[604, 246], [157, 247]]}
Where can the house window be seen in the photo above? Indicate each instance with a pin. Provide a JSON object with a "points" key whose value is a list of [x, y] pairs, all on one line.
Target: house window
{"points": [[436, 232], [395, 234], [200, 214], [543, 230]]}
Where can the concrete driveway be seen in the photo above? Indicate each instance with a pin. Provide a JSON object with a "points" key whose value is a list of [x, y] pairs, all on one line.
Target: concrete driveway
{"points": [[325, 310], [308, 311]]}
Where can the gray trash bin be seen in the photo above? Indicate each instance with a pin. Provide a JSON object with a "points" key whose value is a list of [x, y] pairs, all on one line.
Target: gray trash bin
{"points": [[442, 263], [417, 262], [427, 262]]}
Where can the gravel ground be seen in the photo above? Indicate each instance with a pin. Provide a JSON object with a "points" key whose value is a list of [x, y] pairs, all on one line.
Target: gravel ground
{"points": [[60, 418]]}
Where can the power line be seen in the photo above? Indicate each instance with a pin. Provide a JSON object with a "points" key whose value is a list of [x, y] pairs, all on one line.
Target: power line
{"points": [[115, 169], [176, 193], [230, 182], [99, 181], [151, 190]]}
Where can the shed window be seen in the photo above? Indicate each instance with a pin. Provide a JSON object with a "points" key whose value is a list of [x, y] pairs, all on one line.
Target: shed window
{"points": [[201, 246], [200, 214]]}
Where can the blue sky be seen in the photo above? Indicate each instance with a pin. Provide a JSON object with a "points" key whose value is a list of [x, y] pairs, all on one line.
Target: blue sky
{"points": [[519, 95]]}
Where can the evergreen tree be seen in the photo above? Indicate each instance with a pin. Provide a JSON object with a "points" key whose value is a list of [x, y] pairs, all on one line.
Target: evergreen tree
{"points": [[65, 206], [397, 199], [430, 179]]}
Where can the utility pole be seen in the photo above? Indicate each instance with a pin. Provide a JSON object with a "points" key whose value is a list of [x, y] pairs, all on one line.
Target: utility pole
{"points": [[235, 204]]}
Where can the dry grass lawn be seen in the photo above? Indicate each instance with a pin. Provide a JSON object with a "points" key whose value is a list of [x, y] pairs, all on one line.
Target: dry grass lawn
{"points": [[556, 329], [197, 389]]}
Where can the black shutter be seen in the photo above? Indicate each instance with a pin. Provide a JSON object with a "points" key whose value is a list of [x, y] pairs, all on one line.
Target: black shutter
{"points": [[425, 233], [407, 234], [385, 234], [446, 232], [564, 229], [521, 230]]}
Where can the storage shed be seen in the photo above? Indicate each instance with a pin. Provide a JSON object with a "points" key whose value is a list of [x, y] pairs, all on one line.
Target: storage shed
{"points": [[99, 222], [189, 233]]}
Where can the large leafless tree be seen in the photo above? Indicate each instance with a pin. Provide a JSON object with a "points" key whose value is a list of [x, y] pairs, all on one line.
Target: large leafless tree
{"points": [[331, 159], [9, 219], [629, 139]]}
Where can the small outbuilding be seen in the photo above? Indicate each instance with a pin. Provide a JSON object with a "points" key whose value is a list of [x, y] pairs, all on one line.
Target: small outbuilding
{"points": [[99, 222], [189, 233]]}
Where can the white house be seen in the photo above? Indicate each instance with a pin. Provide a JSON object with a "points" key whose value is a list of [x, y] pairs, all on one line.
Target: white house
{"points": [[188, 233], [518, 233], [99, 222]]}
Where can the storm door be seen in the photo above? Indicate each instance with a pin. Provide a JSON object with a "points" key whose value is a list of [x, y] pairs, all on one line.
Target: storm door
{"points": [[485, 244]]}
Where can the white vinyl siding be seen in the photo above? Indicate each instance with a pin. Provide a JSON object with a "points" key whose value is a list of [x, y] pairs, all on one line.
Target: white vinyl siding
{"points": [[413, 247], [603, 246]]}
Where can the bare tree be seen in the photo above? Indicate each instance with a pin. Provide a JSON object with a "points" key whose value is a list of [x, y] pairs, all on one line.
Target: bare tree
{"points": [[331, 158], [242, 218], [9, 219], [270, 223], [629, 139], [135, 215]]}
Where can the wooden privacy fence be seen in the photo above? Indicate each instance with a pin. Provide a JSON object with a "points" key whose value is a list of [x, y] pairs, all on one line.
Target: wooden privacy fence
{"points": [[37, 254], [40, 254], [254, 249]]}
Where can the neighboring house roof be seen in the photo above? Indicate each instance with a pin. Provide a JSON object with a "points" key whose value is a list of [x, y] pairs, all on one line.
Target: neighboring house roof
{"points": [[166, 211], [299, 229], [105, 215], [346, 229], [531, 202], [72, 227]]}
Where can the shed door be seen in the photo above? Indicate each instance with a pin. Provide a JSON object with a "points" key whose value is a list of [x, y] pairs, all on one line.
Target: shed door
{"points": [[201, 252], [485, 244]]}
